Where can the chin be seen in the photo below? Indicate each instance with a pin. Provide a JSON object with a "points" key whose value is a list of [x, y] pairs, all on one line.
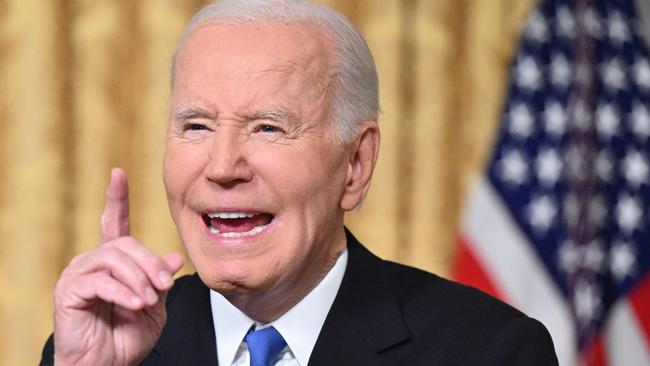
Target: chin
{"points": [[231, 272]]}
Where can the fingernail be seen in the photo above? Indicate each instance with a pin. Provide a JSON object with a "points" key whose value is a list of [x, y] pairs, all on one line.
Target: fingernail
{"points": [[165, 278], [151, 296], [136, 301]]}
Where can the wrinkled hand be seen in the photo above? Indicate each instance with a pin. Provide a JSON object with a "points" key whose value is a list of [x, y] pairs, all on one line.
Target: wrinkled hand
{"points": [[110, 302]]}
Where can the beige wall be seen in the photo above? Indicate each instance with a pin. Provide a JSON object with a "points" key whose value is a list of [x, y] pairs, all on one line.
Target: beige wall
{"points": [[84, 87]]}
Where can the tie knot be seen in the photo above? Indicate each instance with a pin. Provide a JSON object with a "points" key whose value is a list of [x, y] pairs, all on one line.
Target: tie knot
{"points": [[264, 345]]}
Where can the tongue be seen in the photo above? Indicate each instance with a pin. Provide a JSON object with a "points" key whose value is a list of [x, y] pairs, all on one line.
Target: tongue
{"points": [[241, 225]]}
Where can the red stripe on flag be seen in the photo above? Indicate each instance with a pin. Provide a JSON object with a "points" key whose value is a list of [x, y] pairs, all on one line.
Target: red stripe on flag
{"points": [[640, 300], [596, 354], [468, 270]]}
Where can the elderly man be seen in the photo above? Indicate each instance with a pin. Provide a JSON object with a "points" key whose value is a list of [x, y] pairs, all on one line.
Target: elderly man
{"points": [[272, 138]]}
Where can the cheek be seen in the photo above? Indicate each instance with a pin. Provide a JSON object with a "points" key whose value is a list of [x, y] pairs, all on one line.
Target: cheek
{"points": [[181, 165], [308, 179], [292, 176]]}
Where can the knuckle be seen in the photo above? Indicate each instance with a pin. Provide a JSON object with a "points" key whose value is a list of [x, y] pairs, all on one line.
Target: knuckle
{"points": [[107, 286], [155, 264], [60, 288], [140, 279], [66, 286], [121, 248], [122, 243], [129, 241], [76, 260], [111, 255]]}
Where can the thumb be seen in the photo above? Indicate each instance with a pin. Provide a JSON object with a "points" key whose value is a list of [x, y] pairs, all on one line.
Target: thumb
{"points": [[174, 262]]}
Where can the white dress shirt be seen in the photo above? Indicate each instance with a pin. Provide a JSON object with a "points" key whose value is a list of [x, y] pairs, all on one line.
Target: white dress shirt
{"points": [[300, 326]]}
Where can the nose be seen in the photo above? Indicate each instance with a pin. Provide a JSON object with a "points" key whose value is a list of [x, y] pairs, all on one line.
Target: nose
{"points": [[227, 160]]}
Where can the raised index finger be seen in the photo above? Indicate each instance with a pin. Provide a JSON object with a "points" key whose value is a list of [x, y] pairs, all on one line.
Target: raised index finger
{"points": [[115, 218]]}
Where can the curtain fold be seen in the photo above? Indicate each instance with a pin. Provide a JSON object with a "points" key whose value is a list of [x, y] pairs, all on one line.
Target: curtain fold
{"points": [[84, 86], [32, 195]]}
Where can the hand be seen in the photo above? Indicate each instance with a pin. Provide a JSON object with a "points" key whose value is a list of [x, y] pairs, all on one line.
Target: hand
{"points": [[110, 302]]}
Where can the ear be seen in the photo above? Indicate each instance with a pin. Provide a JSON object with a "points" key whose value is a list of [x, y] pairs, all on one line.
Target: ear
{"points": [[361, 164]]}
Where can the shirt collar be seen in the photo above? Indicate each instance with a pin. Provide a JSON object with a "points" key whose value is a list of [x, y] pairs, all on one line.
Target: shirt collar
{"points": [[300, 326]]}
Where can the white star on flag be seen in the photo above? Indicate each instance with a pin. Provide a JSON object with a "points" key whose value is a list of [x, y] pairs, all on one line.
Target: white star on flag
{"points": [[569, 257], [607, 121], [594, 257], [604, 166], [640, 119], [576, 163], [513, 167], [528, 74], [587, 301], [560, 71], [635, 168], [566, 23], [537, 28], [521, 121], [641, 72], [628, 214], [555, 119], [617, 28], [549, 167], [622, 260], [593, 23], [581, 116], [542, 212], [597, 211], [613, 75]]}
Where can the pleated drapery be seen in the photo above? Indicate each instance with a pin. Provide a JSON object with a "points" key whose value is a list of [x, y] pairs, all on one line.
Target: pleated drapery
{"points": [[84, 86]]}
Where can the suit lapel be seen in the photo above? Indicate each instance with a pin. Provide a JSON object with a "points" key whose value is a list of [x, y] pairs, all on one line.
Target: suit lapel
{"points": [[188, 337], [365, 319]]}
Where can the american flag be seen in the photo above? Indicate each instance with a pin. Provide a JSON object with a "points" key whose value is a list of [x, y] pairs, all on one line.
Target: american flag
{"points": [[559, 226]]}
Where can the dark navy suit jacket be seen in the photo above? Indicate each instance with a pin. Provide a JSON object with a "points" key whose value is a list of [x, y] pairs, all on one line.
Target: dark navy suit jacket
{"points": [[384, 314]]}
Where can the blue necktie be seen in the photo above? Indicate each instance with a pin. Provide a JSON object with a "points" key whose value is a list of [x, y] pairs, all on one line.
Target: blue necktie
{"points": [[264, 345]]}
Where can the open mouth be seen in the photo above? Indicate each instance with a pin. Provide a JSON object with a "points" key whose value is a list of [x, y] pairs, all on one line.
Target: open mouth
{"points": [[236, 224]]}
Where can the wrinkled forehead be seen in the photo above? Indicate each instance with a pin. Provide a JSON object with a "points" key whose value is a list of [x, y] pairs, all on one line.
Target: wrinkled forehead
{"points": [[288, 49]]}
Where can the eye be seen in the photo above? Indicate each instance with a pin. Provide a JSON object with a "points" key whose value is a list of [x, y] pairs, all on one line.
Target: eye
{"points": [[265, 128], [194, 127]]}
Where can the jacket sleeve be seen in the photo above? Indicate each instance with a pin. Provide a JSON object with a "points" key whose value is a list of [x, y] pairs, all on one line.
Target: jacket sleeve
{"points": [[522, 341]]}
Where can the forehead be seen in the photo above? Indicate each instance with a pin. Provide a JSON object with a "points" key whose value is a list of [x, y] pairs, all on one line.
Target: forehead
{"points": [[254, 49], [243, 68]]}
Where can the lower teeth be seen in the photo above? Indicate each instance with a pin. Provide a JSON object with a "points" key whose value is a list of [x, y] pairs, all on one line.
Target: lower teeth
{"points": [[253, 231]]}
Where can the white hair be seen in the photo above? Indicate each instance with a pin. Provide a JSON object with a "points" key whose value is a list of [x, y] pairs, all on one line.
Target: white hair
{"points": [[355, 90]]}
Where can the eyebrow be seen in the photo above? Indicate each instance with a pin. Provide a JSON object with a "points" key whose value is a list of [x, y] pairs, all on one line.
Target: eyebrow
{"points": [[191, 113], [275, 115]]}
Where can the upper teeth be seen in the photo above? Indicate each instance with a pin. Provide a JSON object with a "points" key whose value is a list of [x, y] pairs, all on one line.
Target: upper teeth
{"points": [[229, 215]]}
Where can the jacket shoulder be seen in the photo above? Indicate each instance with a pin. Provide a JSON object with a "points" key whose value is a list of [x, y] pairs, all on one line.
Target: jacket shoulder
{"points": [[418, 290], [465, 322]]}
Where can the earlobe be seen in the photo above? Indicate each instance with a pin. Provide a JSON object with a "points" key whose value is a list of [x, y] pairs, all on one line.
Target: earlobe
{"points": [[361, 164]]}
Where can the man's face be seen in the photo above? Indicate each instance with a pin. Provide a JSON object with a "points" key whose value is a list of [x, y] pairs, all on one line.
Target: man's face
{"points": [[253, 172]]}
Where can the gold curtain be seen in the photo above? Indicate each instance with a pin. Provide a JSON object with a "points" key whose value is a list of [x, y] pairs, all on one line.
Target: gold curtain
{"points": [[84, 87]]}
